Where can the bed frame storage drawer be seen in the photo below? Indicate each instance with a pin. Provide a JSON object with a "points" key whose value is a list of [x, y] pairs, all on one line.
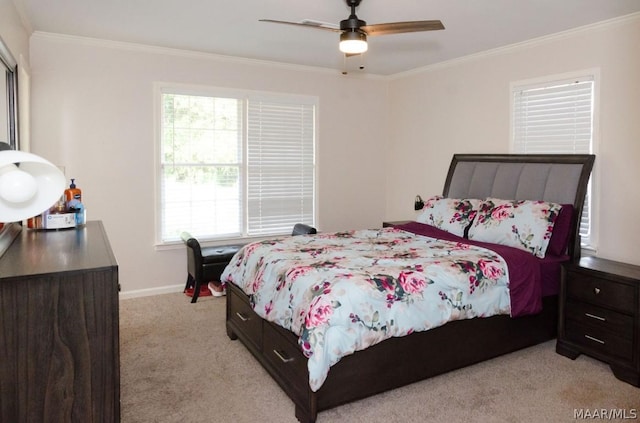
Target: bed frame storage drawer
{"points": [[284, 354], [275, 348], [242, 317]]}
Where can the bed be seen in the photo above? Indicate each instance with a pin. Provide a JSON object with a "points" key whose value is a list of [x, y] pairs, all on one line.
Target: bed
{"points": [[385, 359]]}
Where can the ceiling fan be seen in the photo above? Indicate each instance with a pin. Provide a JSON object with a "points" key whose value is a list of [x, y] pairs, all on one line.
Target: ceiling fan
{"points": [[354, 31]]}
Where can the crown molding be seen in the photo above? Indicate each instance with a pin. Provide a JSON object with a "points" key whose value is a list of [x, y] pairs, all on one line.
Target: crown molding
{"points": [[190, 54], [622, 20]]}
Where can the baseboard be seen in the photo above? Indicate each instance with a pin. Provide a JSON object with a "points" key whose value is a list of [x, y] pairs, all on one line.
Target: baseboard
{"points": [[151, 291]]}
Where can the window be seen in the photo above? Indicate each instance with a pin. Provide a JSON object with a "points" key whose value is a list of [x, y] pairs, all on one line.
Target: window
{"points": [[234, 164], [556, 117]]}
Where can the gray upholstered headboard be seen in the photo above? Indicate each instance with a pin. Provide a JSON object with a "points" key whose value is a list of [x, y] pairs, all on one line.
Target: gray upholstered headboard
{"points": [[559, 178]]}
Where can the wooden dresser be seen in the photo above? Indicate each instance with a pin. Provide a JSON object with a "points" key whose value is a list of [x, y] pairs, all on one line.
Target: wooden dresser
{"points": [[600, 314], [59, 333]]}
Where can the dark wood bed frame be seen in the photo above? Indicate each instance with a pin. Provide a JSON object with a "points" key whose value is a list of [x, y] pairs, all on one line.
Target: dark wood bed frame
{"points": [[400, 361]]}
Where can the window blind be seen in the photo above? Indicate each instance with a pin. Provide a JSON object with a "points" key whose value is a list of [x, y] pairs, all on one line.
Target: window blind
{"points": [[280, 166], [557, 118], [234, 164], [200, 164]]}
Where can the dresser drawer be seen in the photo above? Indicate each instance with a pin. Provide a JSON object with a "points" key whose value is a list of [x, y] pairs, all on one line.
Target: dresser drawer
{"points": [[589, 315], [601, 292], [284, 354], [244, 318], [599, 340]]}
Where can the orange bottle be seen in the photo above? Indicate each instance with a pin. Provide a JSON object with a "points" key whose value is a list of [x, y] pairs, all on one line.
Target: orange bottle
{"points": [[72, 193]]}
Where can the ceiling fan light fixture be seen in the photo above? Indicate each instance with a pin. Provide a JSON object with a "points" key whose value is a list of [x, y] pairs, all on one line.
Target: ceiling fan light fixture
{"points": [[353, 42]]}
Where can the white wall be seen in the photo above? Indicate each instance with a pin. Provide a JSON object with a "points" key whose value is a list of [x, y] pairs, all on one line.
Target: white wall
{"points": [[463, 107], [13, 32], [93, 113]]}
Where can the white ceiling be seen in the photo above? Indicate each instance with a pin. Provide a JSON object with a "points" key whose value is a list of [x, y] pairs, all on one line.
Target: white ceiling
{"points": [[232, 28]]}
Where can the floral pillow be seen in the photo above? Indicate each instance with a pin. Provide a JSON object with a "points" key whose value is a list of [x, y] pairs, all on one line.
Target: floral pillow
{"points": [[449, 214], [522, 224]]}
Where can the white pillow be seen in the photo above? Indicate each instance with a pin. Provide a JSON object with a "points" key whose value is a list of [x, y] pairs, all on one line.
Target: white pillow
{"points": [[449, 214], [523, 224]]}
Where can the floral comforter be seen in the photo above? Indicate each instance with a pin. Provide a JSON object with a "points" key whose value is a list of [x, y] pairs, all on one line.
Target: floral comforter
{"points": [[343, 292]]}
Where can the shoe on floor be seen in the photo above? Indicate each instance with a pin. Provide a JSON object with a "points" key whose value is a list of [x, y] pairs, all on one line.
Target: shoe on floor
{"points": [[216, 290]]}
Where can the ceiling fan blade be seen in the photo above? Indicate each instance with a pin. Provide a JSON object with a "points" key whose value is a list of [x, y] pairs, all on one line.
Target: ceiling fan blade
{"points": [[306, 24], [401, 27]]}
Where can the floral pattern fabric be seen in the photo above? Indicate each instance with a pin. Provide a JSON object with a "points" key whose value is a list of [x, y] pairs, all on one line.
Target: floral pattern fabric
{"points": [[345, 291], [522, 224], [449, 214]]}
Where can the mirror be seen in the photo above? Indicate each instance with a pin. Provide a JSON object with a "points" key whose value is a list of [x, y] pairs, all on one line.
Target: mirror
{"points": [[8, 97], [8, 124]]}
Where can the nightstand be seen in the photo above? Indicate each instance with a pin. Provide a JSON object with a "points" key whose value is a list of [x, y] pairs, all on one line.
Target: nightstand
{"points": [[600, 314], [394, 223]]}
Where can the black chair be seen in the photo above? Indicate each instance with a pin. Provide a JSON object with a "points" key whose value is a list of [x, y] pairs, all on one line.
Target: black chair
{"points": [[205, 264], [302, 229]]}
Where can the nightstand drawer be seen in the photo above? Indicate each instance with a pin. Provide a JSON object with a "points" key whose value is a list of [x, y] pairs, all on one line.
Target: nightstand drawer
{"points": [[601, 318], [599, 340], [602, 292]]}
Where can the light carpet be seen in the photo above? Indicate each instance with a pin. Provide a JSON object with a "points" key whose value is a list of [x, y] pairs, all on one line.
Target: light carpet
{"points": [[178, 365]]}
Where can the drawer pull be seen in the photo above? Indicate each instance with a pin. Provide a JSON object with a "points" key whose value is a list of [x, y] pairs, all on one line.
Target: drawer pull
{"points": [[593, 316], [242, 316], [282, 357], [600, 341], [596, 291]]}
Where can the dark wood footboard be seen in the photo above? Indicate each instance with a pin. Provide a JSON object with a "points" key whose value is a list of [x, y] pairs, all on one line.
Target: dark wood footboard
{"points": [[393, 363]]}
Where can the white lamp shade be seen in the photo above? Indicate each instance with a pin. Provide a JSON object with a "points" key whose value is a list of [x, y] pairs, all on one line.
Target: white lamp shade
{"points": [[29, 188]]}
